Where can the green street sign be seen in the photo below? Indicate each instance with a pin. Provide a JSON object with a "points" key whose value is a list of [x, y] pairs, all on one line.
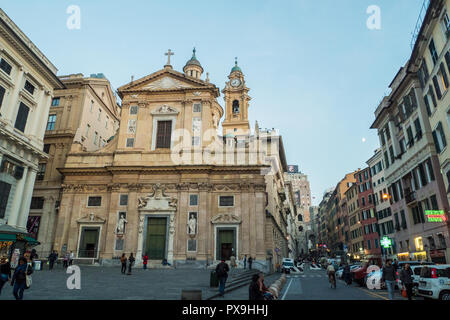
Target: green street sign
{"points": [[386, 242]]}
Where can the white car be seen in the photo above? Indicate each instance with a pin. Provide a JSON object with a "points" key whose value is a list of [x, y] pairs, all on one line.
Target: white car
{"points": [[437, 284], [287, 264]]}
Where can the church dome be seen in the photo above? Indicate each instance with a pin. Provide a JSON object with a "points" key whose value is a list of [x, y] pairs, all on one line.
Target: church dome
{"points": [[236, 68], [193, 66], [193, 61]]}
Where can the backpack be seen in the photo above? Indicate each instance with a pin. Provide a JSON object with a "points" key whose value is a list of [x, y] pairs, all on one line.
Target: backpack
{"points": [[221, 271]]}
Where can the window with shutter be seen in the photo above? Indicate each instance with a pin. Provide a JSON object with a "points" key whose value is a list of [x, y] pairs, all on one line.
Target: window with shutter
{"points": [[5, 188], [2, 94], [447, 59], [433, 98], [436, 87], [433, 52], [442, 134], [29, 87], [163, 134], [418, 129], [22, 116], [443, 75], [427, 104]]}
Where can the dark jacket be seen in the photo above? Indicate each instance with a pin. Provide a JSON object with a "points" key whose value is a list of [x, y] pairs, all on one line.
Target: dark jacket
{"points": [[389, 273], [222, 270], [406, 276], [253, 291], [52, 257], [5, 268], [20, 274], [347, 270]]}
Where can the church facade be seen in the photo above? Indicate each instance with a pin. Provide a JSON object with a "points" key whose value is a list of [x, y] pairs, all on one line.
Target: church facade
{"points": [[168, 185]]}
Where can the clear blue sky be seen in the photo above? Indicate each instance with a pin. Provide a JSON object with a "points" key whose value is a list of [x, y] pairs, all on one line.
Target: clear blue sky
{"points": [[316, 72]]}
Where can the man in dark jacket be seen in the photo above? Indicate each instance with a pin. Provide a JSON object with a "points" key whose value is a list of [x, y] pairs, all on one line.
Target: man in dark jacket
{"points": [[222, 273], [389, 277], [347, 274], [250, 261], [51, 259], [407, 280]]}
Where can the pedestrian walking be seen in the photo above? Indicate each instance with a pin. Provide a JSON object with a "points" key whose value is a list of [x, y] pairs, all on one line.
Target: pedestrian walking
{"points": [[233, 263], [71, 256], [123, 261], [389, 277], [51, 259], [250, 261], [19, 279], [5, 272], [254, 291], [407, 280], [222, 273], [130, 263], [144, 261], [66, 260], [33, 256], [245, 261], [347, 274]]}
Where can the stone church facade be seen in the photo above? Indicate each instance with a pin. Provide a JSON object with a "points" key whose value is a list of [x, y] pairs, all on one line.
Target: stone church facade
{"points": [[168, 185]]}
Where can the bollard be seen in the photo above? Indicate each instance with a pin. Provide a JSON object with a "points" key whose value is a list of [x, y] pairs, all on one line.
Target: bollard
{"points": [[191, 294]]}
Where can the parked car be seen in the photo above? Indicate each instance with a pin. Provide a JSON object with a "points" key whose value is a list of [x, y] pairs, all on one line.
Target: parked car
{"points": [[359, 274], [340, 273], [416, 266], [436, 285], [287, 264]]}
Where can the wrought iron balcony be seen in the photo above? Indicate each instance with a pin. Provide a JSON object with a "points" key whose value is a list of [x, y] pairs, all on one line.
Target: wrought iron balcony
{"points": [[410, 197]]}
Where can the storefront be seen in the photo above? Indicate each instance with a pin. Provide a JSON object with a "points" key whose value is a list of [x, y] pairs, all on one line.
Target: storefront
{"points": [[403, 256], [14, 244]]}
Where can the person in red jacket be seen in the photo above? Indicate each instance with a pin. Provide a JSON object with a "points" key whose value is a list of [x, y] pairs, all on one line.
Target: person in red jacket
{"points": [[145, 258]]}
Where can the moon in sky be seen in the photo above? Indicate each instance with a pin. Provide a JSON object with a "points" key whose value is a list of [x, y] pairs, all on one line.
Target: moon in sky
{"points": [[363, 139]]}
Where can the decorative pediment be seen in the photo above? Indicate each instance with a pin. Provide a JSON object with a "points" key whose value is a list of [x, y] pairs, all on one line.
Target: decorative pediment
{"points": [[166, 83], [165, 109], [226, 218], [91, 218], [157, 201]]}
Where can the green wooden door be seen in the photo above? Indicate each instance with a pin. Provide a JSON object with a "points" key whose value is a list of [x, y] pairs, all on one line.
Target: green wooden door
{"points": [[156, 238]]}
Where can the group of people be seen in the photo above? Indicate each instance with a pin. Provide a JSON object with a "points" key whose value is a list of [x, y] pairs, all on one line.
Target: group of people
{"points": [[67, 259], [130, 260], [389, 277], [20, 279]]}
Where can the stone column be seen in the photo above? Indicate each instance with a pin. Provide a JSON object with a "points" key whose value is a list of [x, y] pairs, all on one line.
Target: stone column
{"points": [[110, 226], [46, 228], [13, 218], [202, 224], [26, 198], [8, 113], [171, 237]]}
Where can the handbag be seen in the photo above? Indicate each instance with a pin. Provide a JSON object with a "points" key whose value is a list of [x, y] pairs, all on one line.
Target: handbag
{"points": [[404, 294], [4, 277], [28, 280]]}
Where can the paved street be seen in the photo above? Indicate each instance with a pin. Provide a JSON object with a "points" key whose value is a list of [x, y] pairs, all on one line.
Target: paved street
{"points": [[314, 285], [107, 283]]}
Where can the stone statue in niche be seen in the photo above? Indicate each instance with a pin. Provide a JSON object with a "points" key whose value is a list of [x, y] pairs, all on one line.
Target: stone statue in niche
{"points": [[192, 223], [120, 227]]}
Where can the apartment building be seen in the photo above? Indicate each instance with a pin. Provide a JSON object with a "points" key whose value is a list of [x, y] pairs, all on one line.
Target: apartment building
{"points": [[27, 82], [85, 113]]}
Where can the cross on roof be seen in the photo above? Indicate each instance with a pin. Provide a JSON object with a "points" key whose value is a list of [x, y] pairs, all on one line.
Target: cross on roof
{"points": [[168, 54]]}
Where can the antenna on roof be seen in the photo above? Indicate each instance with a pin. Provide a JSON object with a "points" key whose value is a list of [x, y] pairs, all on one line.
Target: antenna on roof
{"points": [[132, 78]]}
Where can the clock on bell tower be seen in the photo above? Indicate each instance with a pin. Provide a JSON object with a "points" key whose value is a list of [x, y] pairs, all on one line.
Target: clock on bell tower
{"points": [[236, 104]]}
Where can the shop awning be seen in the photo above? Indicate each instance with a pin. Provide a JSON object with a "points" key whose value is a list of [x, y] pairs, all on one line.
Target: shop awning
{"points": [[8, 233]]}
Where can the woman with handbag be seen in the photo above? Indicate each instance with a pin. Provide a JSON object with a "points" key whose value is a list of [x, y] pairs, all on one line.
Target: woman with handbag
{"points": [[21, 279], [5, 272], [407, 281]]}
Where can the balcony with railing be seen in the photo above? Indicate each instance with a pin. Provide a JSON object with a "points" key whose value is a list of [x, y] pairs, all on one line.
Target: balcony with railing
{"points": [[410, 197]]}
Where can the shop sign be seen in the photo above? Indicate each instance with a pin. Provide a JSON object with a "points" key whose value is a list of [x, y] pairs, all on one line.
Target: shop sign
{"points": [[435, 215]]}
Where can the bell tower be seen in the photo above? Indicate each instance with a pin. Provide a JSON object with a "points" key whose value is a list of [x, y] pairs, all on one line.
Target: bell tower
{"points": [[236, 104]]}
